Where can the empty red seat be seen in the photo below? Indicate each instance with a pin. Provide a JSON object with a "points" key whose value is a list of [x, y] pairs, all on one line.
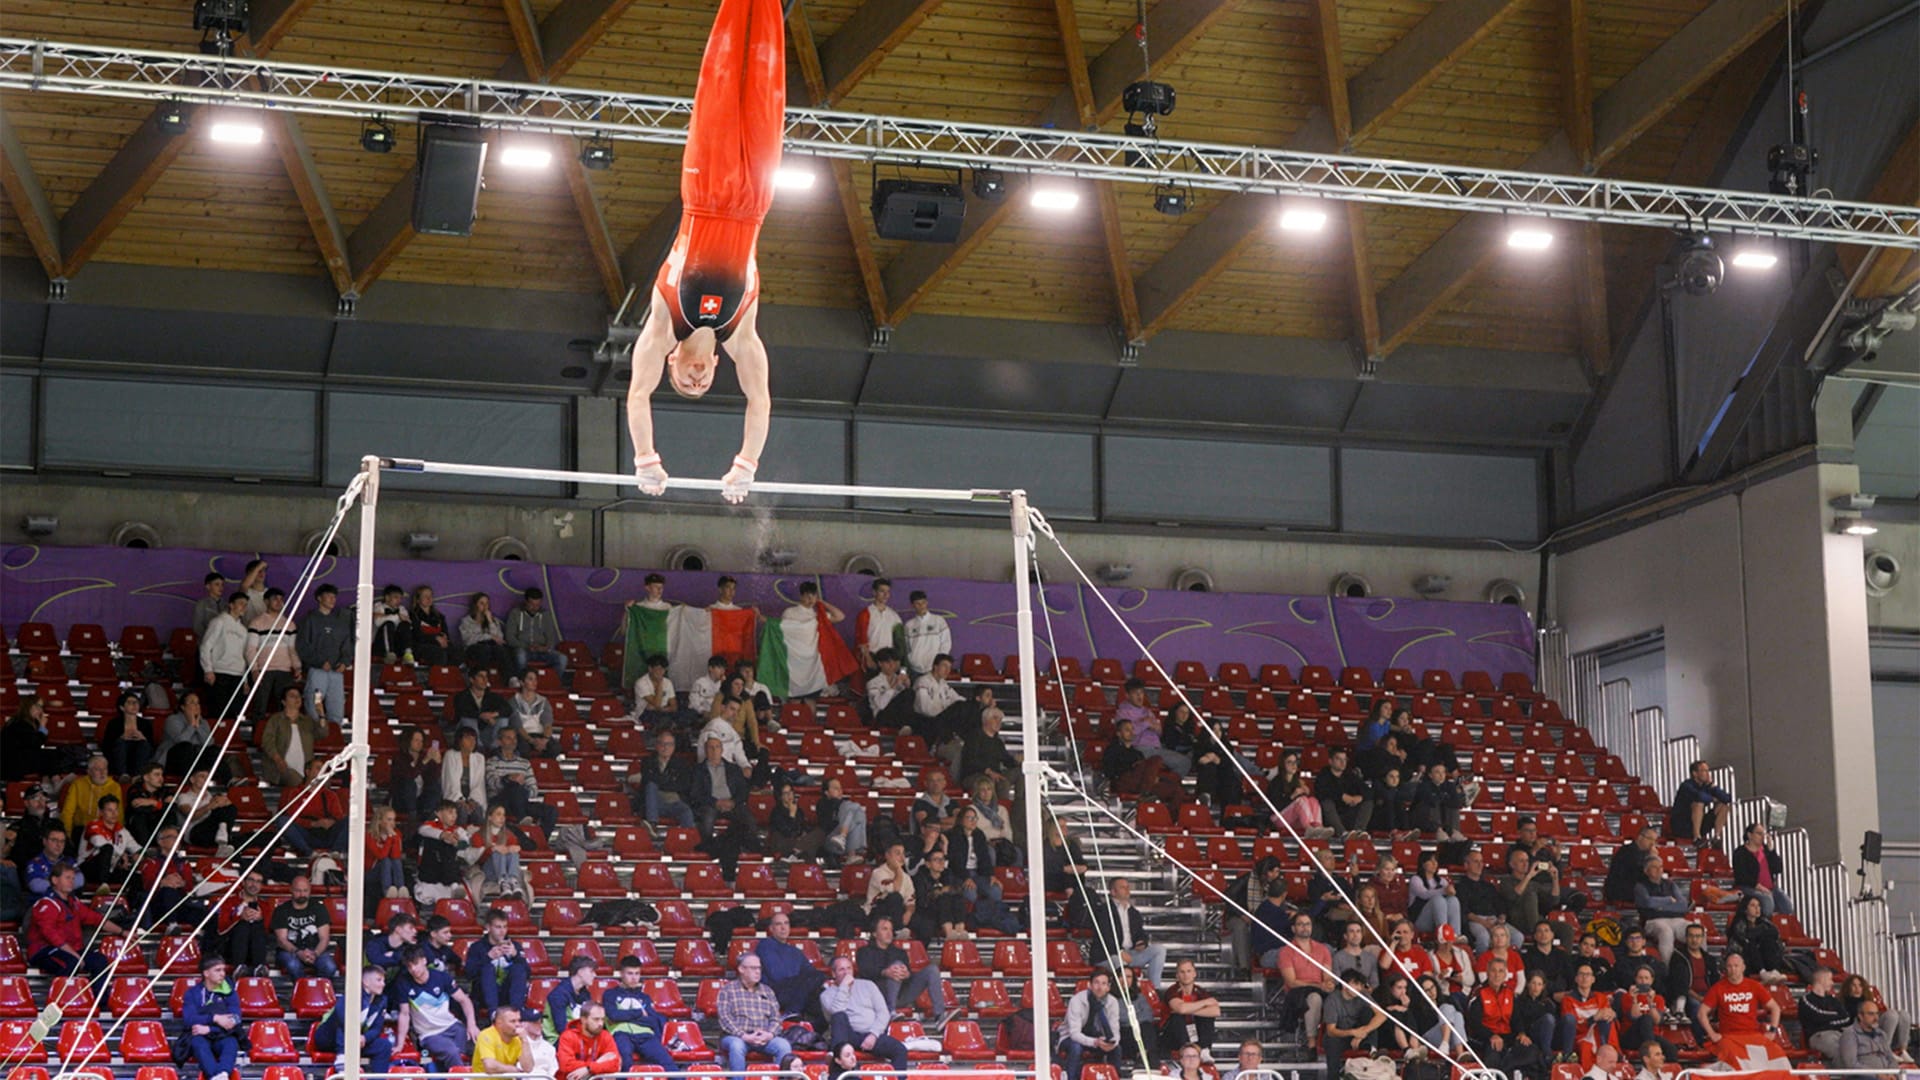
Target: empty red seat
{"points": [[705, 879], [1012, 958], [144, 1042], [71, 993], [676, 920], [146, 1072], [82, 1042], [16, 997], [17, 1043], [962, 958], [666, 997], [312, 997], [562, 916], [988, 998], [269, 1042], [257, 998], [685, 1043], [1066, 958], [756, 880], [694, 956]]}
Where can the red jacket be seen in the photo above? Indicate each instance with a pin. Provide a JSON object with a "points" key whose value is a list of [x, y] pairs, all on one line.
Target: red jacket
{"points": [[59, 922], [597, 1054]]}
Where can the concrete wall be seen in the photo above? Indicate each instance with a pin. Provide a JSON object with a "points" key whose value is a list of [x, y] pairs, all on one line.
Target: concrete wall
{"points": [[1765, 615], [641, 535]]}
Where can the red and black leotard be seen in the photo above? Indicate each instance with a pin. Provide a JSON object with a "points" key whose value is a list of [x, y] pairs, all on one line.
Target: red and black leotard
{"points": [[726, 178]]}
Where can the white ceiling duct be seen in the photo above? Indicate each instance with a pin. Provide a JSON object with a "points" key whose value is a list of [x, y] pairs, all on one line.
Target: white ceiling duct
{"points": [[1883, 572]]}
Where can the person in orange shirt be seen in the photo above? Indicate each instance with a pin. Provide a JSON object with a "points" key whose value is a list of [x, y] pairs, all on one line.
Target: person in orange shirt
{"points": [[587, 1047], [384, 854]]}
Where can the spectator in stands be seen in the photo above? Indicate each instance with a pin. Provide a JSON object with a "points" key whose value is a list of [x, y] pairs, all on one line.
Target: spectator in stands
{"points": [[1628, 866], [1367, 910], [877, 626], [57, 926], [1735, 1004], [1392, 802], [273, 662], [1592, 1012], [1392, 886], [289, 742], [1130, 772], [1756, 872], [1092, 1026], [1857, 993], [1543, 956], [1691, 972], [24, 750], [203, 808], [1433, 900], [1632, 956], [1481, 908], [634, 1021], [1864, 1043], [1385, 754], [1375, 727], [751, 1012], [386, 854], [322, 815], [720, 794], [479, 710], [384, 950], [432, 645], [512, 786], [666, 784], [655, 701], [1698, 807], [108, 852], [393, 627], [1248, 1061], [303, 933], [568, 996], [223, 655], [1350, 1020], [186, 733], [28, 832], [1302, 812], [1437, 803], [245, 941], [1436, 1021], [1606, 1062], [496, 966], [1357, 959], [984, 757], [1404, 954], [785, 968], [413, 775], [940, 713], [325, 647], [211, 605], [1663, 904], [890, 888], [212, 1016], [123, 737], [1127, 931], [80, 802], [1752, 935], [147, 801], [1490, 1024], [1639, 1008], [484, 637], [330, 1034], [424, 1000], [1191, 1010], [884, 963], [1344, 804], [927, 636], [1588, 951], [587, 1048], [706, 689], [934, 804], [1304, 967], [1530, 889], [1823, 1015], [791, 834], [532, 717], [463, 777], [439, 946], [253, 584], [1248, 892], [445, 854], [973, 856], [1537, 1015], [890, 696], [533, 634]]}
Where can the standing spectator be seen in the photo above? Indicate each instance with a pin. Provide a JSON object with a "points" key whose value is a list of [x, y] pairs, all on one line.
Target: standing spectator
{"points": [[750, 1014], [393, 627], [890, 696], [253, 584], [587, 1048], [568, 996], [330, 1034], [636, 1024], [534, 636], [483, 637], [325, 647], [479, 709], [1092, 1025], [1698, 807], [878, 626], [432, 644], [1691, 972], [1629, 865], [1303, 973], [883, 963], [666, 784], [289, 742], [1530, 889], [496, 966], [212, 1016], [186, 733], [123, 737], [1756, 872], [303, 933], [1350, 1020], [57, 926], [463, 778], [80, 802], [927, 637], [273, 661], [1191, 1010], [223, 655], [424, 1000], [1663, 906], [211, 605], [1342, 791]]}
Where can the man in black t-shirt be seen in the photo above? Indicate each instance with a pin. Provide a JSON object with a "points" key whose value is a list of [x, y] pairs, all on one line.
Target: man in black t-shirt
{"points": [[303, 934]]}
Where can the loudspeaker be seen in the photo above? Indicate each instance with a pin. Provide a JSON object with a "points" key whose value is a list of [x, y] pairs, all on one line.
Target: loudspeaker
{"points": [[918, 210], [446, 185]]}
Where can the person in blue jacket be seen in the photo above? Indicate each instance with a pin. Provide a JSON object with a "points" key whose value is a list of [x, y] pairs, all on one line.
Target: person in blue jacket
{"points": [[635, 1023], [212, 1015], [330, 1034], [497, 967], [568, 995]]}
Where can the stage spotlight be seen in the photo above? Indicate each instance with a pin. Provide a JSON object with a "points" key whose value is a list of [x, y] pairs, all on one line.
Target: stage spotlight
{"points": [[1172, 199], [376, 136], [795, 176], [1700, 268], [597, 153], [220, 22], [989, 185], [1790, 168], [1303, 218], [1853, 525], [173, 118], [1152, 98], [238, 129], [1053, 195], [1529, 236], [1752, 258], [525, 156]]}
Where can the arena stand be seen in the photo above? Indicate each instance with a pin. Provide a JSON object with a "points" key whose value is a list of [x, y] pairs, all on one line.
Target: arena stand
{"points": [[1529, 757]]}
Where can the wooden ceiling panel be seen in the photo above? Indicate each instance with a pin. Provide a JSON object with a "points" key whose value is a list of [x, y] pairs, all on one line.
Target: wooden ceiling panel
{"points": [[1370, 27], [1620, 33], [653, 48], [1278, 285], [527, 236], [1252, 79], [1151, 234], [1396, 235], [132, 22], [427, 37], [13, 235], [1040, 267], [995, 61], [806, 254], [1519, 301], [356, 180], [70, 139], [1494, 107], [644, 179], [221, 207]]}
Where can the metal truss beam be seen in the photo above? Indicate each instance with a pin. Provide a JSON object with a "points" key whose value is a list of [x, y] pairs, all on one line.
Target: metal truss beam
{"points": [[339, 91]]}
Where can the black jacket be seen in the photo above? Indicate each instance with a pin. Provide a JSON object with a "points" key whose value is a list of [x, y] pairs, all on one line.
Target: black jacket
{"points": [[676, 776], [1107, 930], [958, 843], [1680, 974], [1746, 867], [1627, 869], [1328, 786], [703, 793]]}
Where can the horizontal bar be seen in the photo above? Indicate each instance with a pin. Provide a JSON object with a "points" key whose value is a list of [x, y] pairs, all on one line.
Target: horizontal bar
{"points": [[770, 487]]}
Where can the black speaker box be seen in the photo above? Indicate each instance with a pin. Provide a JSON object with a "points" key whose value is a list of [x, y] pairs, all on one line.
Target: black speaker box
{"points": [[918, 210], [446, 186]]}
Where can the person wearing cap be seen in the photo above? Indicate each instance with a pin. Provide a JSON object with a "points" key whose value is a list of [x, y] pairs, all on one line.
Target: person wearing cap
{"points": [[533, 635], [212, 1016]]}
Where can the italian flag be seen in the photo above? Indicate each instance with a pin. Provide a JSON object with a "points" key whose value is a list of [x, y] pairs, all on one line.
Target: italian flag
{"points": [[687, 636], [801, 653]]}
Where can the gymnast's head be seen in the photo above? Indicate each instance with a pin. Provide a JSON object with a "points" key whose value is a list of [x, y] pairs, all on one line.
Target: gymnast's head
{"points": [[692, 363]]}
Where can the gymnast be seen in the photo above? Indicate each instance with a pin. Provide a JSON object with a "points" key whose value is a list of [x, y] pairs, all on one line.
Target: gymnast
{"points": [[707, 294]]}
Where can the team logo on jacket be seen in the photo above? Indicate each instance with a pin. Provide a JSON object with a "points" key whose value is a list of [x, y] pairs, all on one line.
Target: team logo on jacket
{"points": [[709, 306]]}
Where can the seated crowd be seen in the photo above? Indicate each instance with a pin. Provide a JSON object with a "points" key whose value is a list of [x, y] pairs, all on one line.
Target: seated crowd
{"points": [[1371, 955]]}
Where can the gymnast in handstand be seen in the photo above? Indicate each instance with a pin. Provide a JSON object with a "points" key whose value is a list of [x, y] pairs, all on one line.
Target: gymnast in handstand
{"points": [[707, 294]]}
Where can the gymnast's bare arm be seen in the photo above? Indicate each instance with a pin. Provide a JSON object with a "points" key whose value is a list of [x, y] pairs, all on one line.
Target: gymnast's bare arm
{"points": [[651, 355], [649, 362]]}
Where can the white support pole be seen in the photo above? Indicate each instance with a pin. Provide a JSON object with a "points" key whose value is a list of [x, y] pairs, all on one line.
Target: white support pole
{"points": [[360, 719], [677, 483], [1032, 771]]}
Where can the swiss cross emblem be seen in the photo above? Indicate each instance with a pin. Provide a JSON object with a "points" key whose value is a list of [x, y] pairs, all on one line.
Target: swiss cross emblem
{"points": [[709, 305]]}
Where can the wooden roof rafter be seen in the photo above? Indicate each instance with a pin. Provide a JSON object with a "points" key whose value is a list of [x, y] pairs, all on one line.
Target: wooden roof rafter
{"points": [[29, 198], [1080, 81], [1590, 274], [1365, 322]]}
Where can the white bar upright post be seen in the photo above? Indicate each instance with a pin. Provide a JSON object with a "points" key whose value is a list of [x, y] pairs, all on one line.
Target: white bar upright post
{"points": [[360, 718], [1031, 770]]}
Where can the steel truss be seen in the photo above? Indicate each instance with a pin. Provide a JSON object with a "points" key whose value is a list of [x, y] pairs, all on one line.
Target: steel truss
{"points": [[339, 91]]}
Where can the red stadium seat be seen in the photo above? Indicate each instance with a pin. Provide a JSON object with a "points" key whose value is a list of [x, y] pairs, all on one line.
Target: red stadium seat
{"points": [[676, 920], [642, 950], [962, 958], [257, 998], [459, 912], [144, 1042], [312, 998], [685, 1043], [666, 998], [806, 881], [147, 1072], [694, 956], [562, 916], [988, 998], [269, 1043], [83, 1042], [16, 997]]}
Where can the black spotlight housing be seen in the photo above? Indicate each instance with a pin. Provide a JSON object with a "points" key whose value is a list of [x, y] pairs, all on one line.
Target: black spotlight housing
{"points": [[597, 153], [1790, 169], [376, 137], [989, 185], [1172, 200], [220, 22], [173, 118], [1152, 98], [1700, 269]]}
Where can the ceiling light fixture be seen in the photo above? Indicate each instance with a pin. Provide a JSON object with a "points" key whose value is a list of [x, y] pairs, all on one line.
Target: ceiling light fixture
{"points": [[1303, 218], [989, 185], [792, 177], [525, 156], [237, 130], [1755, 259], [376, 136], [597, 153], [1529, 236], [1053, 196], [1172, 199], [173, 118]]}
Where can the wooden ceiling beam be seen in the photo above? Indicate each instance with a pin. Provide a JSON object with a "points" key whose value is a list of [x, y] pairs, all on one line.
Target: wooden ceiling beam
{"points": [[1173, 26], [1422, 55], [1365, 320], [1589, 253], [1700, 50], [311, 188], [29, 200], [379, 238], [1899, 184], [1080, 82], [564, 37], [526, 39], [606, 259], [865, 39], [640, 260], [273, 18]]}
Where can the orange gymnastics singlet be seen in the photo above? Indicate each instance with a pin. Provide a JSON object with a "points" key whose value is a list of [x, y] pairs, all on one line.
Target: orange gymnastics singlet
{"points": [[726, 177]]}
